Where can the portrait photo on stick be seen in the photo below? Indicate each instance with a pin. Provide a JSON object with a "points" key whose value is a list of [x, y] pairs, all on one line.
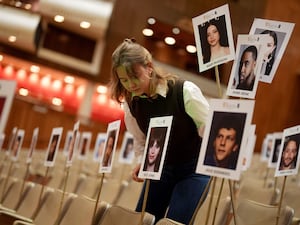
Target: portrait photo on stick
{"points": [[110, 147], [126, 155], [288, 160], [213, 36], [53, 146], [224, 140], [244, 75], [278, 34], [155, 148]]}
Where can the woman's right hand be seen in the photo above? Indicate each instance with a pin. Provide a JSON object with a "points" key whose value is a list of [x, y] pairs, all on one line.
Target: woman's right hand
{"points": [[135, 173]]}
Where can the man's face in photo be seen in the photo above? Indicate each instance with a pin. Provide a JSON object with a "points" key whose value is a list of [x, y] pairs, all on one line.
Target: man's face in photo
{"points": [[247, 66], [225, 143], [289, 153]]}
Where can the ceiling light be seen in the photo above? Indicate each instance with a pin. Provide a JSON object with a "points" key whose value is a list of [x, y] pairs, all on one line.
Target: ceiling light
{"points": [[59, 18], [191, 48], [85, 24], [69, 79], [35, 69], [170, 41], [23, 91], [147, 32], [12, 38], [176, 30], [102, 89], [56, 101], [151, 21]]}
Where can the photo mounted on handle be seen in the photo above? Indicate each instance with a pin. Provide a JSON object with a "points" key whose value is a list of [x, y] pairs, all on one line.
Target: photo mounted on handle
{"points": [[288, 160], [224, 140], [214, 39], [127, 153], [99, 146], [32, 145], [110, 147], [278, 35], [53, 146], [17, 144], [155, 147], [72, 145]]}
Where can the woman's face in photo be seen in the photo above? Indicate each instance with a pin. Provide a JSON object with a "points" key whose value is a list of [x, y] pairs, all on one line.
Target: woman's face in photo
{"points": [[213, 35], [153, 152], [270, 44]]}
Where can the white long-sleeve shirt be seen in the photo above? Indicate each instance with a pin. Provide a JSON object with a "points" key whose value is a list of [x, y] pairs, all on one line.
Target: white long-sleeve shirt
{"points": [[195, 104]]}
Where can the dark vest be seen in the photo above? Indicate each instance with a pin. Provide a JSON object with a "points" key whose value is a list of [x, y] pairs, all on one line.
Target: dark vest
{"points": [[184, 141]]}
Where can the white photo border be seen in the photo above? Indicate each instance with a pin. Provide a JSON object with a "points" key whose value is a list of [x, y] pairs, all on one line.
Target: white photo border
{"points": [[156, 122], [241, 108], [287, 133], [283, 31], [200, 21]]}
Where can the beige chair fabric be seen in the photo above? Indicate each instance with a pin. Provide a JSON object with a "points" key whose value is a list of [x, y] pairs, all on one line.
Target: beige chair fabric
{"points": [[81, 211], [254, 213], [117, 215], [211, 208], [167, 221]]}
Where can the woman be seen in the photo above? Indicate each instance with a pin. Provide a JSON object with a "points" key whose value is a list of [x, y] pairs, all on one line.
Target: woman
{"points": [[269, 56], [217, 46], [155, 147], [147, 92]]}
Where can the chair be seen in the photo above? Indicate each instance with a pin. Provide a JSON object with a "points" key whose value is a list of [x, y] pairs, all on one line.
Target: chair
{"points": [[255, 192], [249, 212], [12, 195], [117, 215], [167, 221], [48, 211], [128, 194], [80, 211], [222, 210]]}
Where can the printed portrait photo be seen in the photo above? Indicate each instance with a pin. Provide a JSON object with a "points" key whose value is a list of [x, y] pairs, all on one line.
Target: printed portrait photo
{"points": [[213, 34], [17, 144], [244, 75], [99, 147], [53, 146], [32, 145], [278, 34], [127, 153], [288, 161], [156, 147], [224, 142], [277, 139], [110, 146]]}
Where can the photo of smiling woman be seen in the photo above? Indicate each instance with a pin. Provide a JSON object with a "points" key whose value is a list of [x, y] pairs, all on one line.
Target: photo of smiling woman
{"points": [[155, 148]]}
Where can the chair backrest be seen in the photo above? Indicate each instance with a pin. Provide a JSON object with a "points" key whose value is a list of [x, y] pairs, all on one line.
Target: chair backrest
{"points": [[269, 196], [30, 202], [117, 215], [80, 211], [167, 221], [220, 210], [48, 211], [249, 212], [12, 195], [291, 198]]}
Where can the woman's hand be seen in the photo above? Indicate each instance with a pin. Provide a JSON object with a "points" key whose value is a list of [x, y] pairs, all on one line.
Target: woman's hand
{"points": [[135, 173]]}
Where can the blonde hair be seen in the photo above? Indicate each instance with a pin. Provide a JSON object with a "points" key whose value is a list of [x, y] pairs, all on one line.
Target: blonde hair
{"points": [[127, 54]]}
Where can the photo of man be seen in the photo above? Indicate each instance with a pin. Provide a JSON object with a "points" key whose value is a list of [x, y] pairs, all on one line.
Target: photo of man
{"points": [[247, 68], [289, 154], [225, 140]]}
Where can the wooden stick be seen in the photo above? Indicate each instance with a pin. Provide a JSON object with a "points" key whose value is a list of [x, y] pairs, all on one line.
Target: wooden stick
{"points": [[25, 178], [218, 81], [145, 201], [211, 199], [280, 202], [41, 193], [232, 201], [98, 197], [67, 172], [218, 201]]}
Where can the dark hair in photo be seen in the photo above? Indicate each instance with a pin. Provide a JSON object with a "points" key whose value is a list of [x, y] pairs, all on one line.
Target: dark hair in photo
{"points": [[220, 24]]}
